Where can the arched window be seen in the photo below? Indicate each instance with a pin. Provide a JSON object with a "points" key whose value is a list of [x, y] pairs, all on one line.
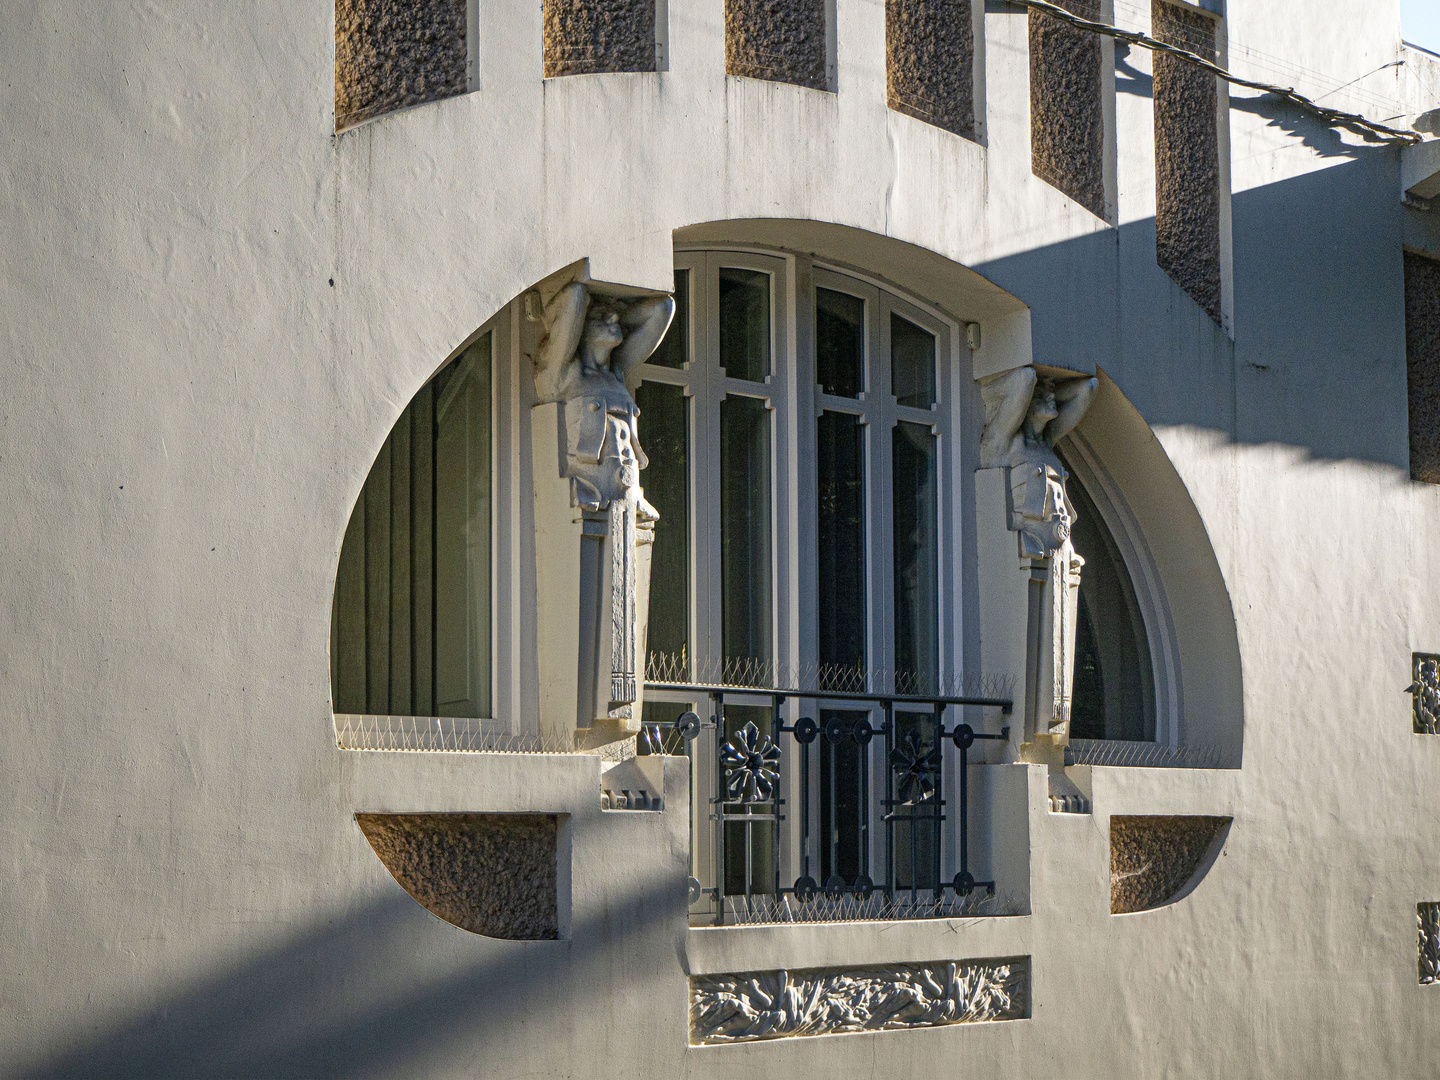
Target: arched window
{"points": [[1113, 695]]}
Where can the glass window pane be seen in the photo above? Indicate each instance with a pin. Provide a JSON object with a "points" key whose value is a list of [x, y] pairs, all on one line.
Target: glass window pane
{"points": [[749, 848], [1113, 696], [839, 343], [844, 828], [674, 349], [916, 611], [915, 765], [665, 438], [462, 535], [745, 539], [745, 323], [840, 450], [422, 522], [912, 363]]}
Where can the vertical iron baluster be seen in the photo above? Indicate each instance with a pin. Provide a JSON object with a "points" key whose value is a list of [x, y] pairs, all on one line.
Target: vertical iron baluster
{"points": [[717, 703], [804, 804], [939, 745], [889, 706], [775, 724], [862, 756], [964, 808]]}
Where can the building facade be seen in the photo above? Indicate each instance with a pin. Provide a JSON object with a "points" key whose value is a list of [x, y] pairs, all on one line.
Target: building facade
{"points": [[626, 536]]}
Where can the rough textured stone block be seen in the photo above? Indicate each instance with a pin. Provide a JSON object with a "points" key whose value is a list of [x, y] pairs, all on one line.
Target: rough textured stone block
{"points": [[1422, 364], [585, 37], [1152, 859], [391, 54], [930, 62], [1067, 120], [491, 874], [1425, 692], [779, 40], [1187, 157]]}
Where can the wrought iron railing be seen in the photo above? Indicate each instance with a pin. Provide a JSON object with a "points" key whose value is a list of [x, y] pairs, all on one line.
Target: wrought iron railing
{"points": [[750, 772]]}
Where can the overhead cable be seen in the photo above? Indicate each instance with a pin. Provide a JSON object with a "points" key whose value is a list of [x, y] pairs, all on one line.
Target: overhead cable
{"points": [[1367, 129]]}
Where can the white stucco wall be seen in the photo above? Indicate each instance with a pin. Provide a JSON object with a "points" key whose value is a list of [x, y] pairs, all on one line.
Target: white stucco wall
{"points": [[188, 408]]}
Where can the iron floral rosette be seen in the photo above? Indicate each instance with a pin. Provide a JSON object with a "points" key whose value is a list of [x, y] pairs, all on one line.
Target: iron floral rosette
{"points": [[916, 763], [752, 765]]}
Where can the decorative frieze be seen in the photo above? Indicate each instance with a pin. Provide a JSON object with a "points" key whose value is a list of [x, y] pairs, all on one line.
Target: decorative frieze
{"points": [[1427, 918], [1425, 692], [829, 1001]]}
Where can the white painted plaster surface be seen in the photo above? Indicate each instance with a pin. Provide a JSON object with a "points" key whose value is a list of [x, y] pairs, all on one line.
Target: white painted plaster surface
{"points": [[188, 409]]}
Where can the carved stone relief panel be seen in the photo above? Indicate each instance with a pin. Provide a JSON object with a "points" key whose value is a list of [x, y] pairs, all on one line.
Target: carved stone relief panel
{"points": [[829, 1001], [391, 54], [1427, 917], [491, 874], [1154, 860], [1425, 692]]}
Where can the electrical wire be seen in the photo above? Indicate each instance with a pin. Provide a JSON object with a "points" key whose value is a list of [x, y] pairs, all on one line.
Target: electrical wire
{"points": [[1367, 129]]}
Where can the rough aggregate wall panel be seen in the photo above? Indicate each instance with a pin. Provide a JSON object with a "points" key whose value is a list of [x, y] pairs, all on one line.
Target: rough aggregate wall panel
{"points": [[779, 40], [1422, 364], [930, 62], [1187, 158], [391, 54], [586, 37], [1067, 119], [491, 874], [1152, 859]]}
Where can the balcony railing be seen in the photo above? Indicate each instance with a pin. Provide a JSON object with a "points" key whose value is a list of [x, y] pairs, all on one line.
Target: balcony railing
{"points": [[751, 763]]}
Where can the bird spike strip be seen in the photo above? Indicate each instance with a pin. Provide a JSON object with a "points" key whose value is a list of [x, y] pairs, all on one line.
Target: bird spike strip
{"points": [[1367, 129]]}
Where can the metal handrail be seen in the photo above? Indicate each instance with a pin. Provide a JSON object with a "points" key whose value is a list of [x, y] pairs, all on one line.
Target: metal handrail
{"points": [[1005, 705]]}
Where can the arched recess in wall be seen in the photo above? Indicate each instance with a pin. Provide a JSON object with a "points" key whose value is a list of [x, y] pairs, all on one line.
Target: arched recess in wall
{"points": [[1125, 475]]}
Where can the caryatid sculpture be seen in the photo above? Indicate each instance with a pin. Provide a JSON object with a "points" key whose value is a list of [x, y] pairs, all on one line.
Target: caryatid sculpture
{"points": [[590, 345], [1025, 415]]}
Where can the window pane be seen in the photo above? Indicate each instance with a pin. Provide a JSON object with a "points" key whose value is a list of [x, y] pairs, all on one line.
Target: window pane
{"points": [[916, 836], [843, 825], [665, 437], [840, 449], [749, 848], [462, 535], [912, 363], [411, 625], [745, 539], [745, 323], [917, 648], [1113, 696], [839, 342], [674, 350]]}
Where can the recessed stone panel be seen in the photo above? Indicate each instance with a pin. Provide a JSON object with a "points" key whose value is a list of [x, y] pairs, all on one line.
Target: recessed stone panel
{"points": [[1187, 157], [585, 37], [779, 40], [930, 62], [1067, 119], [491, 874], [1155, 860], [830, 1001], [1422, 364], [391, 54]]}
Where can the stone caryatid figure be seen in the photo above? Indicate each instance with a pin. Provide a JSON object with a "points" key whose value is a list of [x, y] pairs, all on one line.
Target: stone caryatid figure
{"points": [[590, 344], [1025, 414]]}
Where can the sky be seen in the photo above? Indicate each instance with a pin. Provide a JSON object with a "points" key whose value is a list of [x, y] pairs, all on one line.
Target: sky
{"points": [[1420, 23]]}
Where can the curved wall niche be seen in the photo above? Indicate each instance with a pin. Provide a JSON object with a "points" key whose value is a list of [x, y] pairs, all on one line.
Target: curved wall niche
{"points": [[1155, 861], [491, 874]]}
